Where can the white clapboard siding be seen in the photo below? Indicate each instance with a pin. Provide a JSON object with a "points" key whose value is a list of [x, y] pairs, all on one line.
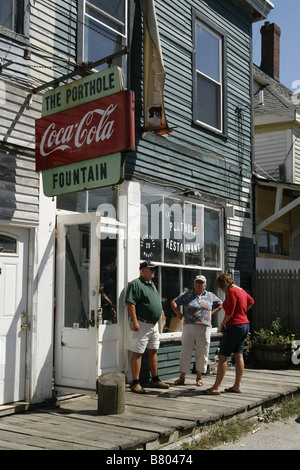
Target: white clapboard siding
{"points": [[272, 149], [296, 157], [17, 121], [19, 185]]}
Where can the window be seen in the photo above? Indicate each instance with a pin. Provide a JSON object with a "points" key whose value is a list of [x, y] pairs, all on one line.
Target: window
{"points": [[209, 101], [178, 232], [88, 201], [12, 15], [103, 30], [270, 242], [185, 239], [8, 245]]}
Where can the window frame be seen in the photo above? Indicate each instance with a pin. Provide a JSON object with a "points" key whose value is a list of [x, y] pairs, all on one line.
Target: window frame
{"points": [[182, 268], [184, 202], [81, 28], [12, 237], [199, 18], [19, 36], [269, 233]]}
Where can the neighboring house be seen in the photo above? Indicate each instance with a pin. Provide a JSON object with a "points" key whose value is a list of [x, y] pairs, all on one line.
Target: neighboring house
{"points": [[183, 198], [276, 161], [276, 191]]}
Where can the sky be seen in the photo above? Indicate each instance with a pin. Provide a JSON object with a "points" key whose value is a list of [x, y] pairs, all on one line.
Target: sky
{"points": [[286, 15]]}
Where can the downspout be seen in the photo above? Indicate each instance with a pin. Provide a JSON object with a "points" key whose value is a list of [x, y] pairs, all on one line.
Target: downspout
{"points": [[252, 153]]}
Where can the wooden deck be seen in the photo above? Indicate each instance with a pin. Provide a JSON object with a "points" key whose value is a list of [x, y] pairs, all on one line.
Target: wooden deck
{"points": [[150, 421]]}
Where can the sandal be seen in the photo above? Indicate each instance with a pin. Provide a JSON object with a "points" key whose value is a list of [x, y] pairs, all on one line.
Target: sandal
{"points": [[179, 381], [199, 382]]}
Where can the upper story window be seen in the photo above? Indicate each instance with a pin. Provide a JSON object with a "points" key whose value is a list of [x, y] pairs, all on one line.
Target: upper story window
{"points": [[209, 75], [12, 15], [102, 30], [271, 242]]}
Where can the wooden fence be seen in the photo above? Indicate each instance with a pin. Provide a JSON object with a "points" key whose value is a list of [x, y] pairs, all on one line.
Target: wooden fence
{"points": [[276, 293]]}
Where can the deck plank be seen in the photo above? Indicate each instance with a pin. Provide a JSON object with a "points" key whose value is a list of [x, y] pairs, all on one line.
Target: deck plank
{"points": [[150, 421]]}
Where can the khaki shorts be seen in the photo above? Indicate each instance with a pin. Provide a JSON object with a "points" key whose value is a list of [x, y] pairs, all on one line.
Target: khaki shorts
{"points": [[146, 337]]}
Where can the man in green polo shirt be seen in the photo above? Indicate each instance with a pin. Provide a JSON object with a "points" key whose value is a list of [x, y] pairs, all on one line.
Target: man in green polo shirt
{"points": [[145, 309]]}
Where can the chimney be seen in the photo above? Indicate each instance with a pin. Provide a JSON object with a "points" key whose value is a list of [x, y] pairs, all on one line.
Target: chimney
{"points": [[270, 49]]}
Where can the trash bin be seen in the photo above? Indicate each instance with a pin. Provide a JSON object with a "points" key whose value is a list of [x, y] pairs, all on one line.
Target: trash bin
{"points": [[111, 393]]}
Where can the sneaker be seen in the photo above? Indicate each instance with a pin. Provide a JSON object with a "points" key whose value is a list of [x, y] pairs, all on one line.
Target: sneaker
{"points": [[136, 388], [159, 384]]}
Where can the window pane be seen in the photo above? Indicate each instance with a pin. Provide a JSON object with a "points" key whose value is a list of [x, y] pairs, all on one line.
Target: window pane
{"points": [[6, 14], [114, 8], [188, 278], [115, 25], [211, 279], [75, 202], [170, 281], [263, 241], [276, 244], [173, 231], [151, 227], [211, 238], [99, 43], [295, 249], [77, 266], [103, 200], [208, 53], [12, 15], [208, 102], [108, 280], [19, 16], [8, 245], [193, 234]]}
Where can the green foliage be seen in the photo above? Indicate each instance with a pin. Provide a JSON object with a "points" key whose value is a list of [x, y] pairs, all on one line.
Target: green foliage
{"points": [[276, 335]]}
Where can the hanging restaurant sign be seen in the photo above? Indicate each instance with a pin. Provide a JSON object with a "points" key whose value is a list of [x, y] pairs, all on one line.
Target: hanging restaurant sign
{"points": [[100, 127], [88, 174], [87, 89]]}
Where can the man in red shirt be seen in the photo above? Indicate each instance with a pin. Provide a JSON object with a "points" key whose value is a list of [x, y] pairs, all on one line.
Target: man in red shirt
{"points": [[235, 329]]}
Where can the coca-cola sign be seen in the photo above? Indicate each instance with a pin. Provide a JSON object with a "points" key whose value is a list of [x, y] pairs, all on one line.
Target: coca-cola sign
{"points": [[91, 130]]}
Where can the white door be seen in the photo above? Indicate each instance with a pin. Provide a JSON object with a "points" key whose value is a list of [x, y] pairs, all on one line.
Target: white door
{"points": [[13, 313], [76, 301], [88, 332]]}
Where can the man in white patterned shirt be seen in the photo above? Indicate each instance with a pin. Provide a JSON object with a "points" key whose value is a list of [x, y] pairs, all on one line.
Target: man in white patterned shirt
{"points": [[199, 306]]}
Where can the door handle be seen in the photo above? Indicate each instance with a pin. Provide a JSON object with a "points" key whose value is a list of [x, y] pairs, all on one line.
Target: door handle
{"points": [[92, 320], [23, 325]]}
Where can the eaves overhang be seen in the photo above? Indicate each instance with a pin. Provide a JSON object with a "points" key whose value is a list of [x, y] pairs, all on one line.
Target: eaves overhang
{"points": [[257, 9], [279, 209]]}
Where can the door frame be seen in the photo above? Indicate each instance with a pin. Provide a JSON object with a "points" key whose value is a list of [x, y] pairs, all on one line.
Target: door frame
{"points": [[103, 332], [21, 317], [88, 335], [111, 332]]}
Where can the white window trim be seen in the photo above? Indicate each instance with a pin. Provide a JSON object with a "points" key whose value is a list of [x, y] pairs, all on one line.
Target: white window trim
{"points": [[81, 27], [213, 29], [101, 12]]}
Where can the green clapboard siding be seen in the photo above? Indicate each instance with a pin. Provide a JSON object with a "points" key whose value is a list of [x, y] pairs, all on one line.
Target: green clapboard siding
{"points": [[192, 157]]}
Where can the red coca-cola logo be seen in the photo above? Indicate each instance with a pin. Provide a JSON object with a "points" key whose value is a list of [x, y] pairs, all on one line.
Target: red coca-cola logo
{"points": [[99, 128]]}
